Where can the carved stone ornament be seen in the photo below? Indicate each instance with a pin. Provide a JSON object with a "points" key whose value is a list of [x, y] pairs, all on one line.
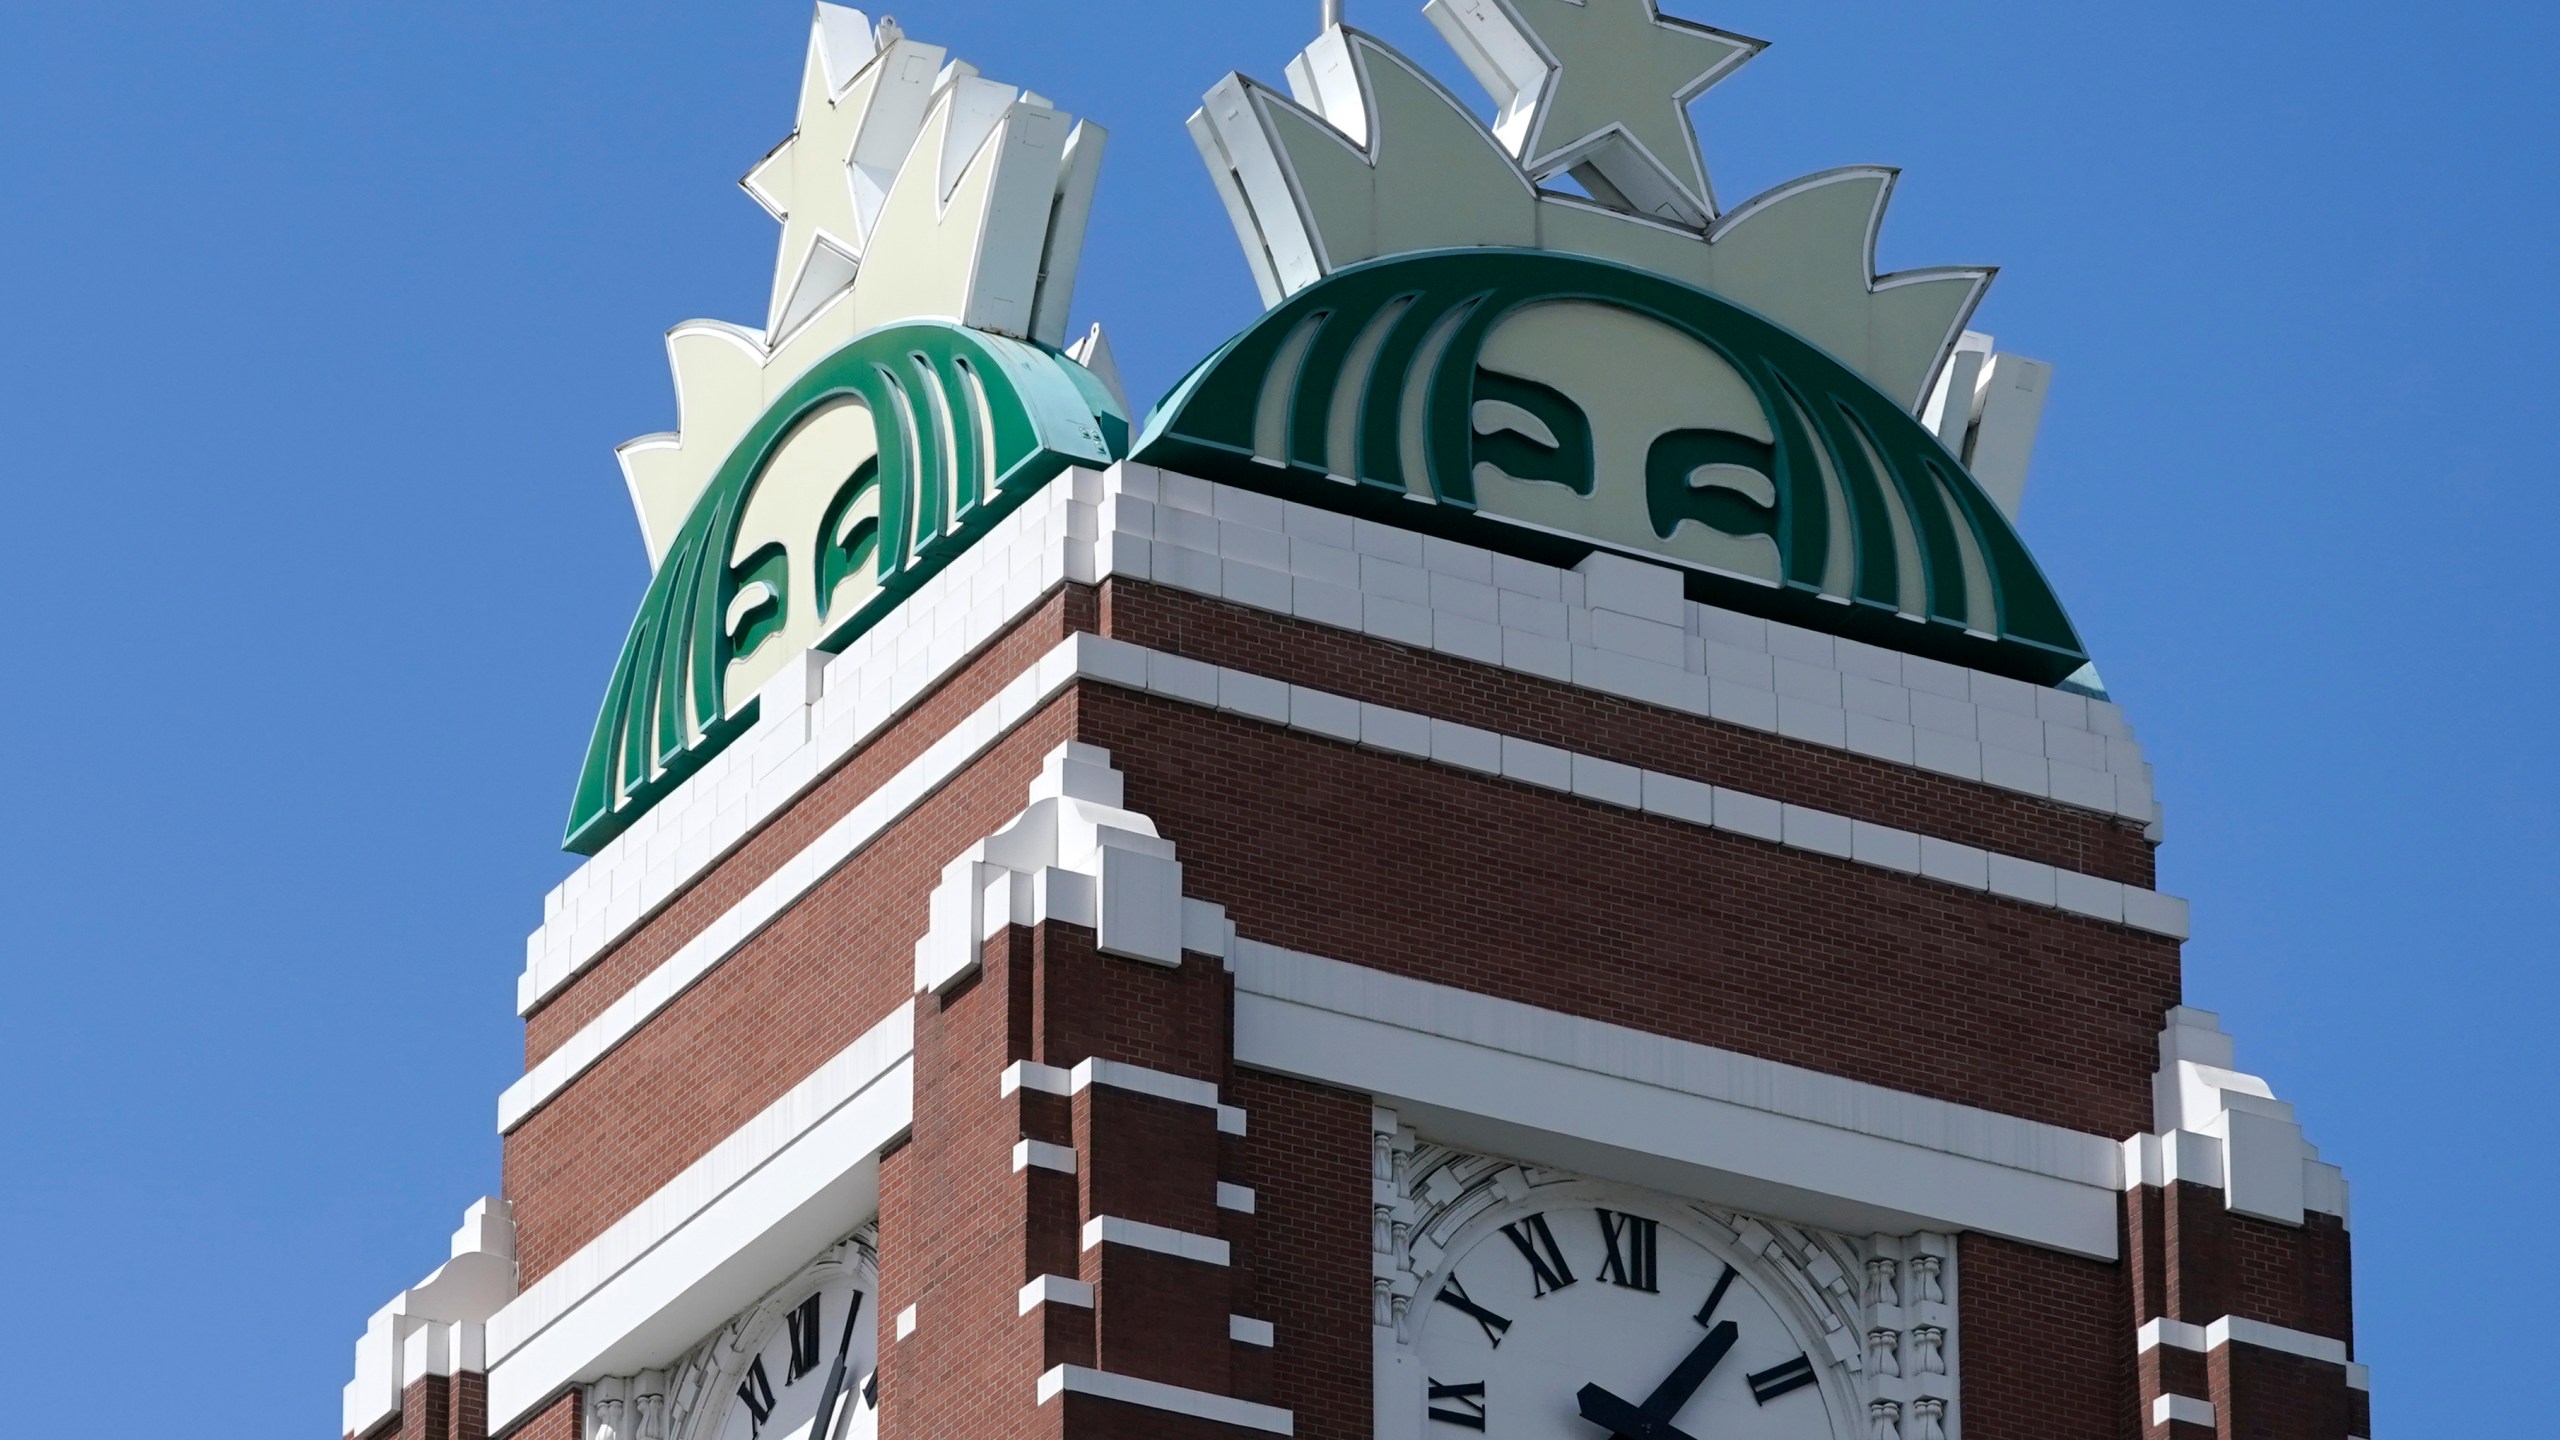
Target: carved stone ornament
{"points": [[1875, 1313], [688, 1399]]}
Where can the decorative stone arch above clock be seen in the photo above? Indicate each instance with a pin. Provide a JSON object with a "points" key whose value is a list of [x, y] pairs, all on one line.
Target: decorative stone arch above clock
{"points": [[688, 1399], [1878, 1313]]}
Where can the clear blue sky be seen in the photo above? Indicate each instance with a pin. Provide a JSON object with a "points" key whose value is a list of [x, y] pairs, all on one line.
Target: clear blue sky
{"points": [[324, 319]]}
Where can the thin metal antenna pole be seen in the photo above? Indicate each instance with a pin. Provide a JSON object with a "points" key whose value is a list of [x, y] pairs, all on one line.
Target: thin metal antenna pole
{"points": [[1332, 13]]}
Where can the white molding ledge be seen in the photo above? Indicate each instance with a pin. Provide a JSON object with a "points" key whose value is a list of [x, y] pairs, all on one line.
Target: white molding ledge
{"points": [[2233, 1330], [2181, 1410], [1514, 1079], [735, 1223], [1163, 1240], [1462, 747], [1174, 1399]]}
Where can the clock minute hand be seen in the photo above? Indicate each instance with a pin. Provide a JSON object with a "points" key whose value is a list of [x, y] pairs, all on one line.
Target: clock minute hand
{"points": [[1680, 1384]]}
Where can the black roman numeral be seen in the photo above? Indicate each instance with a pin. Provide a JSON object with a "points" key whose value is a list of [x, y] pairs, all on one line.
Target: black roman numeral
{"points": [[1547, 1270], [1778, 1380], [1630, 1241], [804, 1340], [1470, 1398], [757, 1391], [1495, 1326], [1715, 1297]]}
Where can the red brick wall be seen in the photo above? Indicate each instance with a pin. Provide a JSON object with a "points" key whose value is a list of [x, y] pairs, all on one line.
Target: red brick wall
{"points": [[1306, 1155], [1518, 892], [2046, 1352], [786, 1002], [966, 688], [1385, 673]]}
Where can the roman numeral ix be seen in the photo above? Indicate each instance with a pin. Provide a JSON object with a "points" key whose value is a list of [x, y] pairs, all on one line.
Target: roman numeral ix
{"points": [[1630, 1240], [1495, 1326], [1470, 1402], [757, 1391], [1547, 1270], [1778, 1380]]}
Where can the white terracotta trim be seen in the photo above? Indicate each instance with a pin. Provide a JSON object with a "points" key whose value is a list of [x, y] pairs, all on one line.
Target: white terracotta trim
{"points": [[1315, 712], [1607, 1100], [733, 1224], [1155, 1395]]}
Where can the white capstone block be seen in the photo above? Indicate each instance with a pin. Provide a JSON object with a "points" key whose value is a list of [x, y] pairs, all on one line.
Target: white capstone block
{"points": [[1999, 692], [1882, 739], [2014, 770], [1467, 638], [1608, 781], [1332, 564], [1396, 620], [1754, 668], [2002, 730], [1526, 577], [1632, 587], [1885, 847], [1531, 763], [1186, 492], [2088, 895], [1882, 699], [1395, 580], [1789, 642], [2160, 914], [1247, 507], [1324, 713], [2063, 707], [1322, 527], [1538, 616], [1676, 798], [2089, 789], [1399, 731], [1820, 831], [1179, 677], [1745, 705], [1254, 585], [1187, 529], [1743, 632], [1466, 746], [1946, 754], [1140, 905], [1868, 662], [1548, 656], [1186, 569], [2027, 880], [1645, 639], [1254, 544], [1754, 815], [1387, 542], [1459, 595], [1465, 562], [1955, 864], [2074, 747], [1813, 722], [1257, 696], [1326, 604], [1799, 681]]}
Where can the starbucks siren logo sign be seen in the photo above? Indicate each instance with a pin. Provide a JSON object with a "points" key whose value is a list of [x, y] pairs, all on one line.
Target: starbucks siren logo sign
{"points": [[1536, 333]]}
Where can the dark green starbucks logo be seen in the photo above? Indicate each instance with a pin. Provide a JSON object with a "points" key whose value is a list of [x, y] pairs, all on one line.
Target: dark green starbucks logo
{"points": [[1549, 405]]}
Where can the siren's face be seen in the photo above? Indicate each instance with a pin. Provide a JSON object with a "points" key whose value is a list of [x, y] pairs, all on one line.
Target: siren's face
{"points": [[818, 497], [1626, 429]]}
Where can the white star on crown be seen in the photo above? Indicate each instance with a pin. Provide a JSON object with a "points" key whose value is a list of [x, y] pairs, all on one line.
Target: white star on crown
{"points": [[1598, 89]]}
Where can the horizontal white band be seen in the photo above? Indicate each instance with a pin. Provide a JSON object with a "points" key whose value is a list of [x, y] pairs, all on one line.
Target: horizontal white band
{"points": [[1239, 1198], [734, 1224], [1054, 1290], [1090, 657], [1028, 1154], [1138, 1079], [1155, 1395], [1608, 782], [2181, 1410], [1139, 1235], [1582, 1094], [1245, 1331], [2232, 1329]]}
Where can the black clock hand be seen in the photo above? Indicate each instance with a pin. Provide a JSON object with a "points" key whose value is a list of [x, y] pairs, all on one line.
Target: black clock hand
{"points": [[823, 1428], [1680, 1384], [1622, 1420]]}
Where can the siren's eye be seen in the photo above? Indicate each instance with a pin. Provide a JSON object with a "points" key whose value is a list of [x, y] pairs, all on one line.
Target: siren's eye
{"points": [[759, 603], [1718, 478], [1530, 431]]}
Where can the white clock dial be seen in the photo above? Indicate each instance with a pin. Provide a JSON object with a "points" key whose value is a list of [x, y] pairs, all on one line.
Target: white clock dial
{"points": [[1577, 1322], [827, 1338]]}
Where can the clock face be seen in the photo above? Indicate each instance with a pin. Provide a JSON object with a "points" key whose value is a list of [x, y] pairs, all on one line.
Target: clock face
{"points": [[820, 1354], [1583, 1323]]}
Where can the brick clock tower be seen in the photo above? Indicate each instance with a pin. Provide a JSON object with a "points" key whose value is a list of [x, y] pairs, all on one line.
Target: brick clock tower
{"points": [[1528, 855]]}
